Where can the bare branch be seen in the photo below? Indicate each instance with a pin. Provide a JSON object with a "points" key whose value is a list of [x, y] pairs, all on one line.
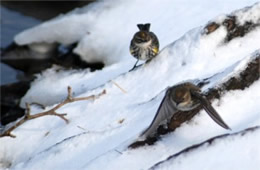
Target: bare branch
{"points": [[62, 116], [51, 112], [38, 104]]}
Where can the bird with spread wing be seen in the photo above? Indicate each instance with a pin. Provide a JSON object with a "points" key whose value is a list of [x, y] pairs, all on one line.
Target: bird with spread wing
{"points": [[182, 97]]}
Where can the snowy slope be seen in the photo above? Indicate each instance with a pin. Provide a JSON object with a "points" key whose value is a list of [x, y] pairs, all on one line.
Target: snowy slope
{"points": [[97, 138], [104, 31], [112, 23], [242, 144]]}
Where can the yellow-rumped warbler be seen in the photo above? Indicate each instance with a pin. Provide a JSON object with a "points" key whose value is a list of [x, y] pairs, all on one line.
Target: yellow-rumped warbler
{"points": [[182, 97], [145, 44]]}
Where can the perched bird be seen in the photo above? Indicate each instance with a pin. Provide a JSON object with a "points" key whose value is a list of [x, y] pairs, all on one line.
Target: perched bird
{"points": [[145, 44], [183, 97]]}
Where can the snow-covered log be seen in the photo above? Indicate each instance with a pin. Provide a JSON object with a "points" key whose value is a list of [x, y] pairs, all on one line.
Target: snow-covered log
{"points": [[214, 146], [238, 81]]}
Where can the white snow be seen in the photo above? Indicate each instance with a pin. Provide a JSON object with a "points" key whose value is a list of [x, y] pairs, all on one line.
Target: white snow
{"points": [[191, 52], [241, 151], [95, 138], [112, 23]]}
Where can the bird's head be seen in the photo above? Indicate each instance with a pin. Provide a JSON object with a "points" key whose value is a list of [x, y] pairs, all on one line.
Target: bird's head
{"points": [[142, 37], [181, 98]]}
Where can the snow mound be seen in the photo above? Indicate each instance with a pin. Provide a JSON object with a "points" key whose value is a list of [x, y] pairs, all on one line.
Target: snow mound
{"points": [[100, 131], [184, 59], [243, 144], [105, 28]]}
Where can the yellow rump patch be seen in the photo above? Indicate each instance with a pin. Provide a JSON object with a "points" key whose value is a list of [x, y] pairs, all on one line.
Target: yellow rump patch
{"points": [[155, 50]]}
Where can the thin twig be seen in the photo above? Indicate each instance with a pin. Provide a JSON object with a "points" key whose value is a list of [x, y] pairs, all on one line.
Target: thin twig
{"points": [[123, 90], [81, 128], [38, 104], [51, 112]]}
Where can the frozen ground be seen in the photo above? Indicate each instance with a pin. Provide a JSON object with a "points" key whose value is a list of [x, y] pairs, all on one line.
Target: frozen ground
{"points": [[100, 131]]}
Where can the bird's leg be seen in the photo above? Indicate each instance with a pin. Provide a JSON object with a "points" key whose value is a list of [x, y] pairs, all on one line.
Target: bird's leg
{"points": [[134, 66], [148, 61]]}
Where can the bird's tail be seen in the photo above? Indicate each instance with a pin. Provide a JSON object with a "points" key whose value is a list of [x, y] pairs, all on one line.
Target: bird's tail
{"points": [[144, 27]]}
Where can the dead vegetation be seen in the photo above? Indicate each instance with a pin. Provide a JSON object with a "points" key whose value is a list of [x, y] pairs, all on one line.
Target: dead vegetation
{"points": [[51, 112]]}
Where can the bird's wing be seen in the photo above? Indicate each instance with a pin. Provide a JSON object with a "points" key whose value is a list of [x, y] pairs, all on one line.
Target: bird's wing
{"points": [[210, 110], [155, 40], [164, 112]]}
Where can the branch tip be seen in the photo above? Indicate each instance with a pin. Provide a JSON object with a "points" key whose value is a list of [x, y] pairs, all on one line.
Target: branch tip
{"points": [[69, 93], [27, 111], [62, 116]]}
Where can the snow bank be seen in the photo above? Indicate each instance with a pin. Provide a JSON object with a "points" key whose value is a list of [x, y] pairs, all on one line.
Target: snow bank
{"points": [[186, 58], [50, 87], [105, 28], [199, 129], [225, 152], [103, 143]]}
